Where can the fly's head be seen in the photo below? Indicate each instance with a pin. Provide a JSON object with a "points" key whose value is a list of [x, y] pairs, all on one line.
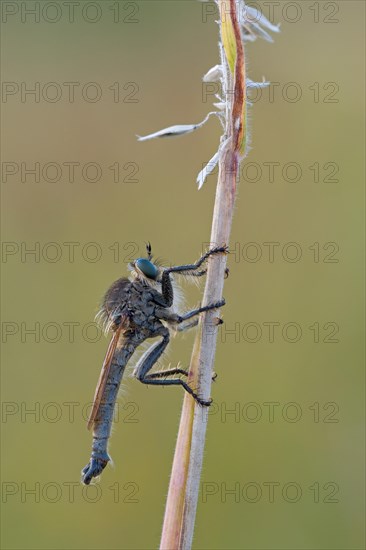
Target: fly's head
{"points": [[144, 269]]}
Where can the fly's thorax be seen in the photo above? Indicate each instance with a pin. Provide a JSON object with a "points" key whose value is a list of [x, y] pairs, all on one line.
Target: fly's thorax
{"points": [[141, 305], [131, 301]]}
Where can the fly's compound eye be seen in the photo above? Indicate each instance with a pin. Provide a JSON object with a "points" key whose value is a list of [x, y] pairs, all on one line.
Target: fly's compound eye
{"points": [[147, 268]]}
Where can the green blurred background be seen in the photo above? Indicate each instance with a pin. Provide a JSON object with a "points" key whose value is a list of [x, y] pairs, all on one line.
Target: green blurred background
{"points": [[314, 439]]}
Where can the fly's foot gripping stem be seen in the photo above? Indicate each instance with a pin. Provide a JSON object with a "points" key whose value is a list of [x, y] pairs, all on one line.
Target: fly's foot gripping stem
{"points": [[185, 372], [218, 250], [202, 402], [93, 469]]}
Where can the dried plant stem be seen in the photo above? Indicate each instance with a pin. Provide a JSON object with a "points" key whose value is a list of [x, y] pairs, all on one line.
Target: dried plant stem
{"points": [[223, 213], [183, 493]]}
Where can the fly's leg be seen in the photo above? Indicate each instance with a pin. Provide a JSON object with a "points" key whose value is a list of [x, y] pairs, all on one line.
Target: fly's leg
{"points": [[148, 360], [175, 319], [175, 382], [168, 372], [182, 327], [197, 265], [202, 272], [199, 310], [167, 294], [171, 372]]}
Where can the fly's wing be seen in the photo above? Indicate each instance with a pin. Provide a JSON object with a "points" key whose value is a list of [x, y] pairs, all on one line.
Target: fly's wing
{"points": [[111, 310], [103, 377]]}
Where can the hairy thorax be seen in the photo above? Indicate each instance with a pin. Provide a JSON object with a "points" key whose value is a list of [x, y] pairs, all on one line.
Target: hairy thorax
{"points": [[132, 303]]}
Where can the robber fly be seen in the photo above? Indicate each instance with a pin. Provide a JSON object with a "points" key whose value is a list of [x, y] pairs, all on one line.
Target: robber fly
{"points": [[133, 309]]}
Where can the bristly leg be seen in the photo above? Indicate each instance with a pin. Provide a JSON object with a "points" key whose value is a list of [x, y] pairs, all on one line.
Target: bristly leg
{"points": [[152, 355], [199, 310], [172, 372], [193, 267], [168, 372], [182, 327], [149, 359], [175, 382], [189, 269]]}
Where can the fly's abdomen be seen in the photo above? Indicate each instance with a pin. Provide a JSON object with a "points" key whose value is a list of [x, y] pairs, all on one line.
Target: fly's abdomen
{"points": [[103, 421]]}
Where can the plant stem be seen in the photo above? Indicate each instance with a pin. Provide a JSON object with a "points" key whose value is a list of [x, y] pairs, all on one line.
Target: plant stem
{"points": [[184, 486]]}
